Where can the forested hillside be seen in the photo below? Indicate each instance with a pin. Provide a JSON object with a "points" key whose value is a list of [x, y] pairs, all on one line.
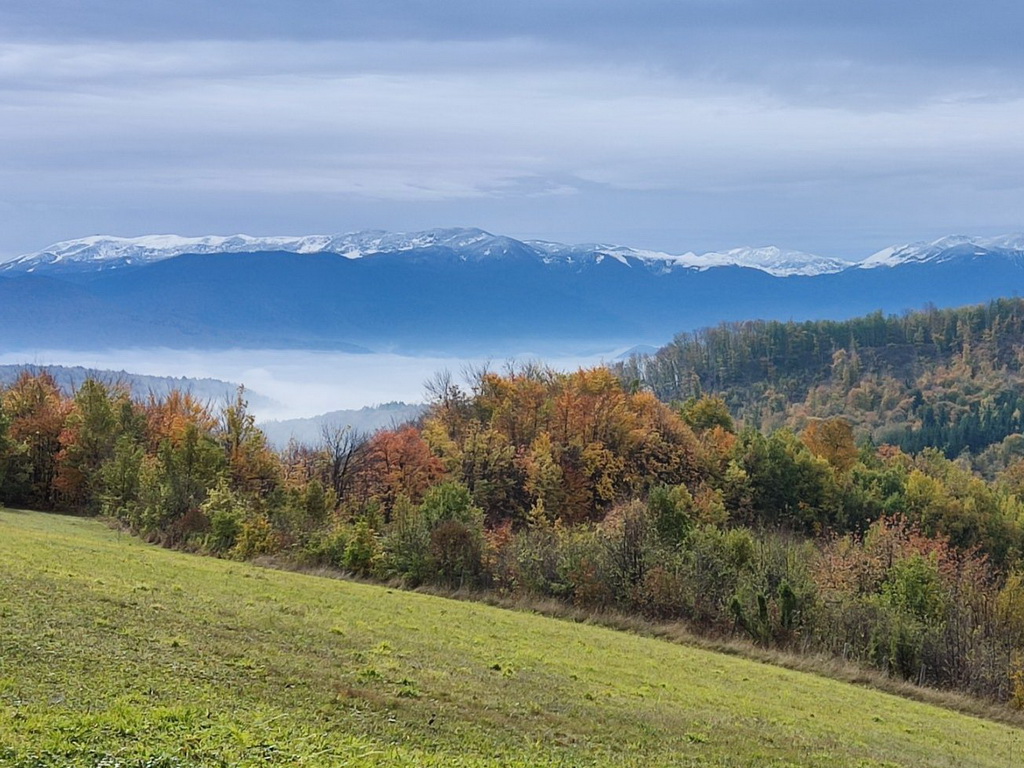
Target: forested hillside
{"points": [[948, 379], [573, 487]]}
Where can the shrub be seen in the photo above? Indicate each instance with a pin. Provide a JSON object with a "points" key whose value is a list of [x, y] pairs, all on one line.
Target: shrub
{"points": [[630, 539], [326, 548], [361, 549], [405, 545], [455, 553], [583, 567], [1017, 681], [255, 537], [671, 509], [225, 512], [664, 592]]}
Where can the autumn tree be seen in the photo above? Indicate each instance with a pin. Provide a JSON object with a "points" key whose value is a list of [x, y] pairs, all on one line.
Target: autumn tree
{"points": [[99, 415], [37, 412], [253, 467], [706, 412], [398, 462], [169, 417], [832, 440], [6, 449]]}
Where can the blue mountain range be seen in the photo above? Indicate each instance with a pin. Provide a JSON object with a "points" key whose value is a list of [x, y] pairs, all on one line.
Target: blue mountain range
{"points": [[461, 290]]}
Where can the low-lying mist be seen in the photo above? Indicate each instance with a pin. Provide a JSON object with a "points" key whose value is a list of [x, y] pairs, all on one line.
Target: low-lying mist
{"points": [[300, 383]]}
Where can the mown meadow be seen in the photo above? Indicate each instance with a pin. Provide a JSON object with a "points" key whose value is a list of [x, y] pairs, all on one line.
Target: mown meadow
{"points": [[114, 652]]}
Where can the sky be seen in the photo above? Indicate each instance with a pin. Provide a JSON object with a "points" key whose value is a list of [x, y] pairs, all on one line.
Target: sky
{"points": [[828, 126]]}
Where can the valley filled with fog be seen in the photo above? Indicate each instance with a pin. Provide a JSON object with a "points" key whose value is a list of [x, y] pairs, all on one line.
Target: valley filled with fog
{"points": [[302, 383]]}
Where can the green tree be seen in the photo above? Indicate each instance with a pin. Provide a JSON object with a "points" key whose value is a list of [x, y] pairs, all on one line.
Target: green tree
{"points": [[226, 512], [121, 480], [671, 509], [88, 440], [705, 412], [787, 485], [450, 500], [180, 480]]}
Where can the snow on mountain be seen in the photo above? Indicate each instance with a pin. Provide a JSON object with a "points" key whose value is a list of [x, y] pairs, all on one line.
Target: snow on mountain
{"points": [[107, 252], [772, 260], [776, 261], [1013, 242], [595, 253], [945, 249], [102, 252]]}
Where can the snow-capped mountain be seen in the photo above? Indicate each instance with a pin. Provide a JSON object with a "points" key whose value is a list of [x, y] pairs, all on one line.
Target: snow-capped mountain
{"points": [[103, 252], [770, 259], [946, 249], [449, 289], [778, 262]]}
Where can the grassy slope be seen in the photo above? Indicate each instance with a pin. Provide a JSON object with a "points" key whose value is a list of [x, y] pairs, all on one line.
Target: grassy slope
{"points": [[114, 650]]}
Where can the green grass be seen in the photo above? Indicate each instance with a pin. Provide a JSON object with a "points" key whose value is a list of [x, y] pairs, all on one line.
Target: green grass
{"points": [[117, 653]]}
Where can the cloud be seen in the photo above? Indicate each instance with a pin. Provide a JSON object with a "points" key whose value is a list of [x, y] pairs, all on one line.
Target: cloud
{"points": [[224, 122], [123, 115]]}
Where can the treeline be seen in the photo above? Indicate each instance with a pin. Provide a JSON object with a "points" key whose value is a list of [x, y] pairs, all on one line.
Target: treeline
{"points": [[948, 379], [572, 486]]}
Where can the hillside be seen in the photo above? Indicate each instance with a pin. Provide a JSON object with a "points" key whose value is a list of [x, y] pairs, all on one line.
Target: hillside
{"points": [[948, 379], [155, 658], [366, 420]]}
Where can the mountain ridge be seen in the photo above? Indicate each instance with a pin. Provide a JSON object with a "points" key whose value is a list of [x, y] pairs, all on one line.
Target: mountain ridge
{"points": [[105, 252], [462, 291]]}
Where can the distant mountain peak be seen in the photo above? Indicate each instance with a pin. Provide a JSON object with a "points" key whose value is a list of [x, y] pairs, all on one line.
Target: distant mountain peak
{"points": [[945, 249], [778, 262]]}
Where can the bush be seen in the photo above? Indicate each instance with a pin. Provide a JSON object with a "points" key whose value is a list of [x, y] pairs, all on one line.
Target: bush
{"points": [[225, 512], [455, 554], [630, 538], [583, 574], [256, 536], [325, 548], [405, 545], [665, 592], [1017, 681], [361, 549], [671, 509], [441, 539], [538, 566]]}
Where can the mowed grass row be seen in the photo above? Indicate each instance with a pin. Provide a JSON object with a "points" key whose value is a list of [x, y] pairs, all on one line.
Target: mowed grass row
{"points": [[118, 653]]}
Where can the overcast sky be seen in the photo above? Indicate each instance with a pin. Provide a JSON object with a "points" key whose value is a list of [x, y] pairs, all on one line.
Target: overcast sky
{"points": [[833, 126]]}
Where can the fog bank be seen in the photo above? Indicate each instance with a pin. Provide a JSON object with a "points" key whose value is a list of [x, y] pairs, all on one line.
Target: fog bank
{"points": [[301, 383]]}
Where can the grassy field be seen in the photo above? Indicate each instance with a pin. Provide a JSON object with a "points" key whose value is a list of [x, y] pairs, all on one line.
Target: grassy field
{"points": [[117, 653]]}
